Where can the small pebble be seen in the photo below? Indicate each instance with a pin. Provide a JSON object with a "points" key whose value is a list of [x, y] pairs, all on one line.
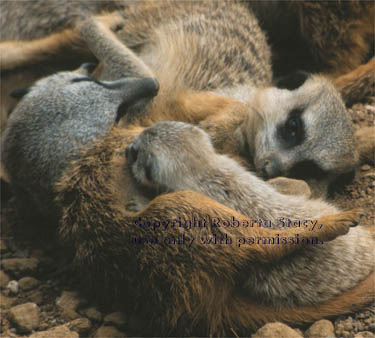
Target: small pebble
{"points": [[365, 167], [28, 283], [93, 314], [4, 279], [13, 287], [26, 317]]}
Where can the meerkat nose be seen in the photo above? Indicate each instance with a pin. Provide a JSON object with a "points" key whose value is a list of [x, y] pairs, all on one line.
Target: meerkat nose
{"points": [[131, 154], [271, 168]]}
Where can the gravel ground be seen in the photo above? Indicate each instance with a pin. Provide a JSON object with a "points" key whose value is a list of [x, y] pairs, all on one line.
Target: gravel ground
{"points": [[39, 296]]}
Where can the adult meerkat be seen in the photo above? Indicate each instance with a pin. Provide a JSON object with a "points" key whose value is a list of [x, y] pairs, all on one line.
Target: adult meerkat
{"points": [[195, 288], [245, 75], [61, 115], [297, 41]]}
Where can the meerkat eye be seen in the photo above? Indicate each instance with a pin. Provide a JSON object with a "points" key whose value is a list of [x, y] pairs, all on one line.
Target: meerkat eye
{"points": [[292, 132], [82, 78], [292, 125]]}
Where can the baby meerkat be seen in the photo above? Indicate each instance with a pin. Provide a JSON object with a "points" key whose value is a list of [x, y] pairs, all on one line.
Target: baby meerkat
{"points": [[175, 156]]}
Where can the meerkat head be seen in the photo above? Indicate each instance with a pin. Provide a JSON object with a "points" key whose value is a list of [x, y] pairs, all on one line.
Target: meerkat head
{"points": [[58, 117], [168, 153], [78, 90], [300, 129]]}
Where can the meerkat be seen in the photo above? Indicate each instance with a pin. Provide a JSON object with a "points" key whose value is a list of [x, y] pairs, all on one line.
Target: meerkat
{"points": [[283, 131], [167, 157], [341, 42], [196, 288], [59, 116]]}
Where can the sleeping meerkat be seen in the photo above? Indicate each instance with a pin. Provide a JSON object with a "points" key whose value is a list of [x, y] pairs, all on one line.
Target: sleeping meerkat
{"points": [[175, 156]]}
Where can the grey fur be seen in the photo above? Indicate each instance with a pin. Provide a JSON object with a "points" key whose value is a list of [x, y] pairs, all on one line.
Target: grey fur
{"points": [[57, 119], [173, 156]]}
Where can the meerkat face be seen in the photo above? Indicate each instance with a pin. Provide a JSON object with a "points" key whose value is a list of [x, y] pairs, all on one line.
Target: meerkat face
{"points": [[74, 93], [165, 155], [301, 132]]}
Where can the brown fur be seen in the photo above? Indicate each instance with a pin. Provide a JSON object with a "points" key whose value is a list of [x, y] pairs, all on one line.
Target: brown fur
{"points": [[22, 63], [191, 295], [358, 83], [333, 37]]}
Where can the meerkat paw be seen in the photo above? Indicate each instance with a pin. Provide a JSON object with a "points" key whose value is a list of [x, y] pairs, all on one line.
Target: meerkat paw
{"points": [[290, 186], [336, 225], [114, 21]]}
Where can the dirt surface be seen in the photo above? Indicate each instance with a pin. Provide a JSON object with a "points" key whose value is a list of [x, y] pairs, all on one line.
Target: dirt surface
{"points": [[41, 274]]}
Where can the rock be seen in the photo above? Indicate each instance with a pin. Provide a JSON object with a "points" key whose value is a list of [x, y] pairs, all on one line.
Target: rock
{"points": [[28, 283], [69, 315], [69, 300], [6, 302], [279, 330], [348, 326], [20, 266], [290, 186], [61, 331], [346, 334], [38, 253], [358, 325], [4, 279], [36, 297], [3, 246], [13, 287], [364, 334], [93, 314], [116, 318], [321, 328], [365, 167], [80, 325], [339, 328], [25, 317], [108, 331]]}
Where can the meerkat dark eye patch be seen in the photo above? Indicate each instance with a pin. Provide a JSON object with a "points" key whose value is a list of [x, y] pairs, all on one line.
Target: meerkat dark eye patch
{"points": [[19, 92], [292, 81], [292, 132], [306, 170]]}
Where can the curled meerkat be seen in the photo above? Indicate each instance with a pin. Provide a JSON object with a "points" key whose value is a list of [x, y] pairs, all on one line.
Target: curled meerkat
{"points": [[58, 117], [195, 288], [175, 156]]}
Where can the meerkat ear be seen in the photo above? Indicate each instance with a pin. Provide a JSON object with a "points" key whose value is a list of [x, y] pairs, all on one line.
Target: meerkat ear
{"points": [[293, 80], [19, 92]]}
